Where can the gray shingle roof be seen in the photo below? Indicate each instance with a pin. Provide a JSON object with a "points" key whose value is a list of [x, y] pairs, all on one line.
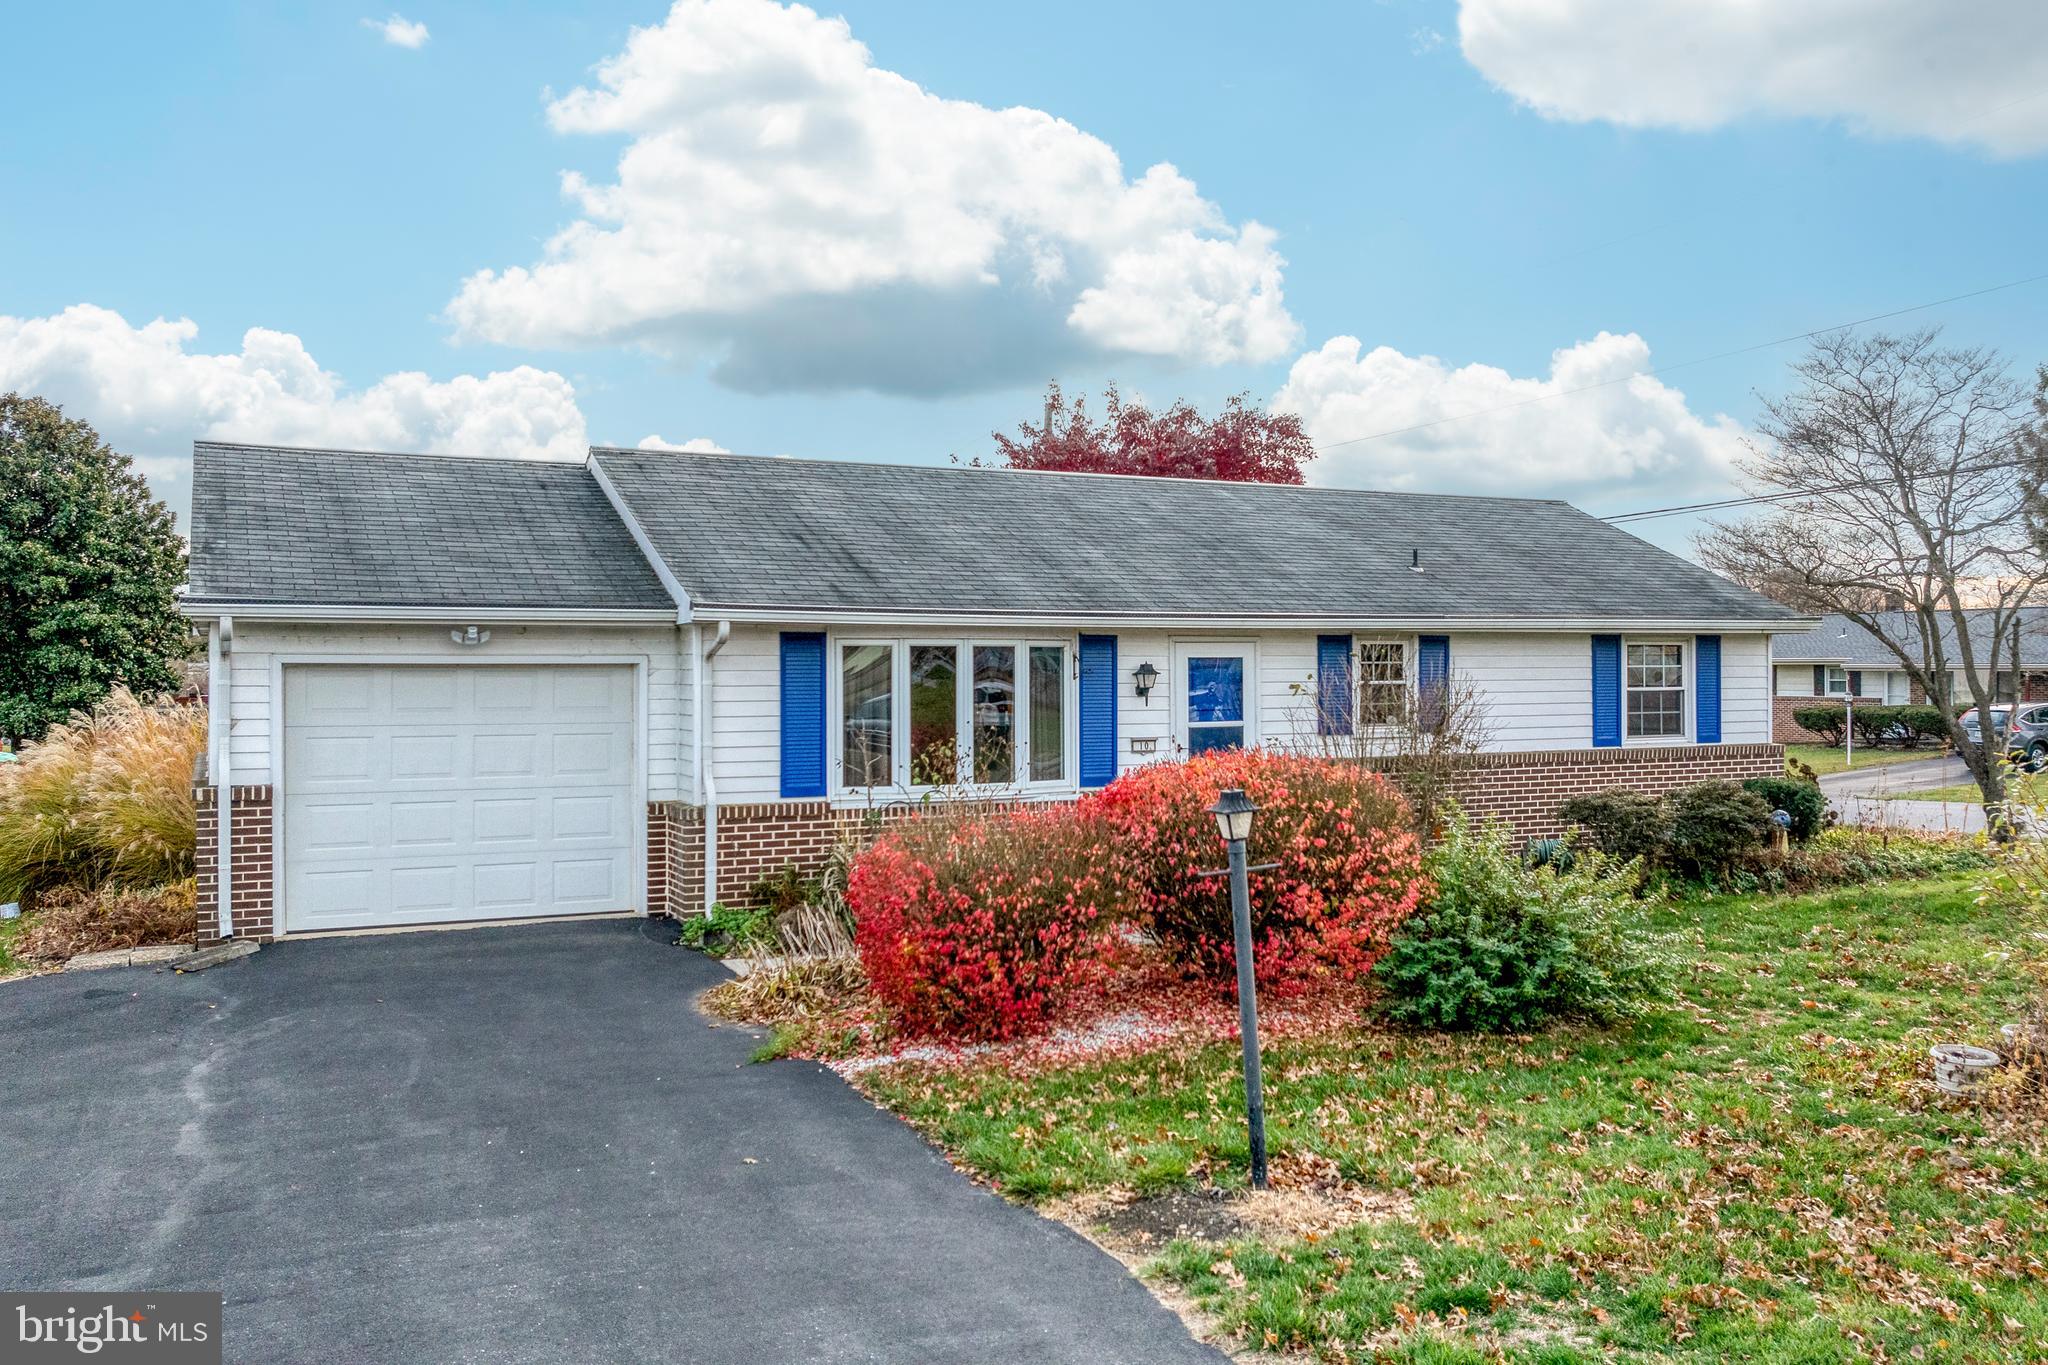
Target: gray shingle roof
{"points": [[1838, 640], [749, 532], [349, 528]]}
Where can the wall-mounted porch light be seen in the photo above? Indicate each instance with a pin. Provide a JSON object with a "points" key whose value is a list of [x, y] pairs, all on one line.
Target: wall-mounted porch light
{"points": [[1145, 679], [470, 635]]}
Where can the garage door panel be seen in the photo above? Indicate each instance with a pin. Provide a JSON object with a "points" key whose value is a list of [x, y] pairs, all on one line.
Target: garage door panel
{"points": [[341, 827], [585, 881], [584, 819], [420, 794], [503, 888], [420, 825]]}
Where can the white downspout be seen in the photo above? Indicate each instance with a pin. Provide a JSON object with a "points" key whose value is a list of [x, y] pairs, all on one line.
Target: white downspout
{"points": [[707, 777], [220, 644]]}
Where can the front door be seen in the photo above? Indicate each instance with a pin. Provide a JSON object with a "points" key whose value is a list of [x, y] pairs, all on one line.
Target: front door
{"points": [[1218, 697]]}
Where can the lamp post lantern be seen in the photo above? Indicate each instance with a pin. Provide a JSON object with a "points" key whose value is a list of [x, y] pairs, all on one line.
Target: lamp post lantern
{"points": [[1234, 811]]}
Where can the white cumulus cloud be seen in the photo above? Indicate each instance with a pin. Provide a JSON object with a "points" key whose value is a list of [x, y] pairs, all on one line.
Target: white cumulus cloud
{"points": [[697, 445], [1512, 435], [1972, 74], [400, 31], [814, 221], [150, 394]]}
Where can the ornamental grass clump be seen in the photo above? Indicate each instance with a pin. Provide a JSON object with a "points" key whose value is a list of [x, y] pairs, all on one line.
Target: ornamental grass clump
{"points": [[107, 796], [1347, 868], [983, 923]]}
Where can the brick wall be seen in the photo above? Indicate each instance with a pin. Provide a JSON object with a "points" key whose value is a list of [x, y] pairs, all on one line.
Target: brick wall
{"points": [[1527, 789], [1524, 789], [252, 863]]}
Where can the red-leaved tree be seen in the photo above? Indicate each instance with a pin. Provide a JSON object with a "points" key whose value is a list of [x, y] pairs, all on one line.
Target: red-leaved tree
{"points": [[1243, 442]]}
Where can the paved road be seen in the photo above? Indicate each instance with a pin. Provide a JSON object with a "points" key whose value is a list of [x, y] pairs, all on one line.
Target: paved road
{"points": [[516, 1144], [1919, 775]]}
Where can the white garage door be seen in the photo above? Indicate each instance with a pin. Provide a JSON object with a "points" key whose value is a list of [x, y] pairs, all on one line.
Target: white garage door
{"points": [[421, 795]]}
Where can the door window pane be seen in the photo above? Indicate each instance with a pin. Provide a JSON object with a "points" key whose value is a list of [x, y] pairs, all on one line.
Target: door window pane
{"points": [[869, 706], [1216, 689], [1215, 703], [995, 713], [1048, 713], [934, 715]]}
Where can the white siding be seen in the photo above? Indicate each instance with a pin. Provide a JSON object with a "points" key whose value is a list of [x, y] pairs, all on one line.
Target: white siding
{"points": [[260, 646], [1745, 689], [1795, 680], [746, 715], [1537, 691]]}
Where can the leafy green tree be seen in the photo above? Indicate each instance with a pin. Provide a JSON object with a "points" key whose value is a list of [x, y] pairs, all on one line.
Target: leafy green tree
{"points": [[89, 564]]}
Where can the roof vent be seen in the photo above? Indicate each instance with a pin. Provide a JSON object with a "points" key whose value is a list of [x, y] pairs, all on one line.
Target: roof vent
{"points": [[1415, 560]]}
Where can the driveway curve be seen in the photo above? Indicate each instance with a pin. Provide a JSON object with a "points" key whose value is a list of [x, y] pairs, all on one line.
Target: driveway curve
{"points": [[510, 1145]]}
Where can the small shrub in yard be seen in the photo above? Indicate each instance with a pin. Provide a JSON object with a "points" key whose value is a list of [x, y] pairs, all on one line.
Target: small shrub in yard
{"points": [[1800, 800], [1348, 869], [70, 920], [1504, 945], [1829, 722], [1621, 823], [728, 929], [1716, 828], [1854, 857], [982, 924]]}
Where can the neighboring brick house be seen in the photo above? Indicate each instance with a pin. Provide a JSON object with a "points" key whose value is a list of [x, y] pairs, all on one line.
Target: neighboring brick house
{"points": [[453, 689], [1839, 659]]}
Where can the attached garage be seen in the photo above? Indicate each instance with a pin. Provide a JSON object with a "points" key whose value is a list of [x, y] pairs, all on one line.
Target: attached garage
{"points": [[415, 794]]}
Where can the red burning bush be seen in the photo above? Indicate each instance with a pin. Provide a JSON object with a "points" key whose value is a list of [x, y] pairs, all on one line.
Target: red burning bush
{"points": [[1348, 869], [981, 924]]}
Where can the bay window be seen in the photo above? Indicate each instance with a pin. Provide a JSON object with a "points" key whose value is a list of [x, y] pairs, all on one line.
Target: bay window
{"points": [[1656, 691], [920, 713]]}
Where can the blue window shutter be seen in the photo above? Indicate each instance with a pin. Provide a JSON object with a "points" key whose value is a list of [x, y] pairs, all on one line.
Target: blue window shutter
{"points": [[803, 713], [1706, 670], [1333, 684], [1098, 710], [1606, 691], [1432, 678]]}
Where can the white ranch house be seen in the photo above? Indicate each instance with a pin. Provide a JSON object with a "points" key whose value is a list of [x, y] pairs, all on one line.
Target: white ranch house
{"points": [[453, 689]]}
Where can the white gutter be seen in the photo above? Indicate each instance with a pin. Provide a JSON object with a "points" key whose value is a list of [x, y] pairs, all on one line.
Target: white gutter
{"points": [[1198, 620], [454, 612], [707, 778], [220, 643]]}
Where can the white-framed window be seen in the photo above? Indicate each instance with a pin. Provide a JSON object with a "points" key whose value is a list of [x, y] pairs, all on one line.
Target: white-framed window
{"points": [[922, 712], [1385, 673], [1898, 687], [1837, 681], [1653, 690]]}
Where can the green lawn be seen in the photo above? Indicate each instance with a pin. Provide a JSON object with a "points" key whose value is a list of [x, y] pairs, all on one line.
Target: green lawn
{"points": [[1824, 760], [1755, 1173], [2023, 789]]}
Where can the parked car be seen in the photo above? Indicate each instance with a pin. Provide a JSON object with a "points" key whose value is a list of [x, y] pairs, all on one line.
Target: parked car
{"points": [[2026, 739]]}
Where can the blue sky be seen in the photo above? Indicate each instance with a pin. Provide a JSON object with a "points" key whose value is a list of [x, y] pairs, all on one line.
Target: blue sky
{"points": [[1475, 185]]}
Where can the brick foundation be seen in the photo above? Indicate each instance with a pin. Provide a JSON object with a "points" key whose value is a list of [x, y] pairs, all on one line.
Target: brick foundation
{"points": [[1525, 789], [252, 862]]}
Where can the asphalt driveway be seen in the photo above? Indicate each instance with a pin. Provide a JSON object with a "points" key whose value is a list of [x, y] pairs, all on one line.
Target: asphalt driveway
{"points": [[517, 1144]]}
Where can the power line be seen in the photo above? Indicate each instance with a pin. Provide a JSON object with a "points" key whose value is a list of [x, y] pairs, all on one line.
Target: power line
{"points": [[1683, 364], [1763, 498]]}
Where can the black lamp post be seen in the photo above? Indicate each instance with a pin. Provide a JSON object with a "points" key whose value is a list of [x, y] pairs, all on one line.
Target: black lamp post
{"points": [[1234, 811]]}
